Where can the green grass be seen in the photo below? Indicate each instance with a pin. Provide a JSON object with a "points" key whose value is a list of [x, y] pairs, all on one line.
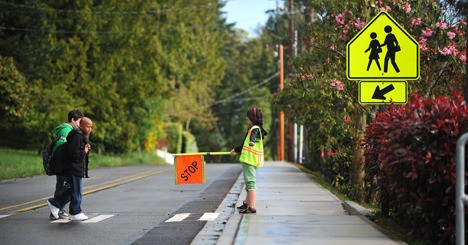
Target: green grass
{"points": [[23, 163]]}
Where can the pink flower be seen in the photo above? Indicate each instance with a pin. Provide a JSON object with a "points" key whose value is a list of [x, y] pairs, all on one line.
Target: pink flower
{"points": [[333, 47], [445, 51], [347, 120], [416, 22], [406, 7], [386, 8], [451, 35], [344, 36], [359, 24], [340, 87], [340, 19], [330, 153], [323, 154], [462, 57], [427, 32], [337, 84], [423, 43], [442, 25]]}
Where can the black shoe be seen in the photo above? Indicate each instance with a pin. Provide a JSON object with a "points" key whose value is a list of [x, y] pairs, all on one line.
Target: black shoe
{"points": [[244, 206], [248, 210]]}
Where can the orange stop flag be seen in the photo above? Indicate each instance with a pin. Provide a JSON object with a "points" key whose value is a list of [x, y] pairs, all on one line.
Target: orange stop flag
{"points": [[190, 169]]}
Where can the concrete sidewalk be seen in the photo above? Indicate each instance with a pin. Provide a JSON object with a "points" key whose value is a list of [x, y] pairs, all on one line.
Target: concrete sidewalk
{"points": [[292, 209]]}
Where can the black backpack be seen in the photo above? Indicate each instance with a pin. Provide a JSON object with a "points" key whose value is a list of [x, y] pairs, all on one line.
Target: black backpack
{"points": [[48, 160]]}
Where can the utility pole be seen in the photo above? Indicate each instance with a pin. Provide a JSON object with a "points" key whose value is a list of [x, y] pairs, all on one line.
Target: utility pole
{"points": [[280, 146]]}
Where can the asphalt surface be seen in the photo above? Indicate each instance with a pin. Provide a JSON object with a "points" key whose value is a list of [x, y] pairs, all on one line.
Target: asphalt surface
{"points": [[125, 205]]}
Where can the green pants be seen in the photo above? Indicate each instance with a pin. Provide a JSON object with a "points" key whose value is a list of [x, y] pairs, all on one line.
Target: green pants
{"points": [[249, 176]]}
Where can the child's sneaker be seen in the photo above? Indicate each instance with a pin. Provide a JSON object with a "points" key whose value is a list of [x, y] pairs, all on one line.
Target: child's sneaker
{"points": [[243, 206], [248, 210], [53, 210], [78, 217]]}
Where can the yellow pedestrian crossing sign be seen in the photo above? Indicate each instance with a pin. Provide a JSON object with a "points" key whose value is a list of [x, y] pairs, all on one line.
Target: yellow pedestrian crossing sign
{"points": [[383, 92], [382, 50]]}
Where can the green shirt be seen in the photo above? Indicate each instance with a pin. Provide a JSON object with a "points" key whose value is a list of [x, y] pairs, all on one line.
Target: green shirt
{"points": [[62, 131]]}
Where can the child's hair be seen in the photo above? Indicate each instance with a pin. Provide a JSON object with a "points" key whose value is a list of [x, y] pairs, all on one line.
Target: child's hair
{"points": [[255, 116], [75, 114]]}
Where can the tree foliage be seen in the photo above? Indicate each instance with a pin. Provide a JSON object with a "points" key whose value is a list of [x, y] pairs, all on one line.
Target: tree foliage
{"points": [[123, 63]]}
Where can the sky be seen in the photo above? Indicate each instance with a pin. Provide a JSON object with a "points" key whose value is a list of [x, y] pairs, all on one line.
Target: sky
{"points": [[248, 14]]}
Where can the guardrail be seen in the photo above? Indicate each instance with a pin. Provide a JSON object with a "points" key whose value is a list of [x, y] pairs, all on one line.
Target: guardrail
{"points": [[461, 199]]}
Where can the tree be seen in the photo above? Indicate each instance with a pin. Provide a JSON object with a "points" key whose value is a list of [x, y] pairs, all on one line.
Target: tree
{"points": [[327, 103]]}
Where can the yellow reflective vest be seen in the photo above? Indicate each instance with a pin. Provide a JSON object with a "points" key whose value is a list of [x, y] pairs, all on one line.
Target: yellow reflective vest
{"points": [[252, 155]]}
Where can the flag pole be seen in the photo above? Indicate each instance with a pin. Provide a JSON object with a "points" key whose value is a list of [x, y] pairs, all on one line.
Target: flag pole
{"points": [[203, 153]]}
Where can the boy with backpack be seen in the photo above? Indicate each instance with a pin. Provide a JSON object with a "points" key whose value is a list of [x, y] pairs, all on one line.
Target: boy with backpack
{"points": [[62, 186]]}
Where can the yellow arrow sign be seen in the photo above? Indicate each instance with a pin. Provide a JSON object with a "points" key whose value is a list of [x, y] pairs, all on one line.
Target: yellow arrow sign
{"points": [[372, 92], [382, 50]]}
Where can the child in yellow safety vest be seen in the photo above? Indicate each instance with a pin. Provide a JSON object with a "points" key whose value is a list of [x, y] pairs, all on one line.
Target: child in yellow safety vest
{"points": [[251, 157]]}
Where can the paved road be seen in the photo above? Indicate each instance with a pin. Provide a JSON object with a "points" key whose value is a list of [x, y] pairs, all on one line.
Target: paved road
{"points": [[135, 204]]}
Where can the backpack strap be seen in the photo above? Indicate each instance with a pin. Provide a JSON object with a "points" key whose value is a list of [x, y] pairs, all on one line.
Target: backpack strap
{"points": [[64, 138]]}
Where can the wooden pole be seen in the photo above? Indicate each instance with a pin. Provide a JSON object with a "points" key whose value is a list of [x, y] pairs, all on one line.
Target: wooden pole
{"points": [[280, 151]]}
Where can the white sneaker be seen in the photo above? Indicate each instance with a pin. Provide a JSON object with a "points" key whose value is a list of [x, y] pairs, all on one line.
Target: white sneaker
{"points": [[78, 217], [54, 210]]}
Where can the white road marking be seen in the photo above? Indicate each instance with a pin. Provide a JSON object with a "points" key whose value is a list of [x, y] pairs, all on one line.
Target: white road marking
{"points": [[209, 217], [60, 221], [98, 218], [4, 215], [92, 220], [205, 217], [178, 217]]}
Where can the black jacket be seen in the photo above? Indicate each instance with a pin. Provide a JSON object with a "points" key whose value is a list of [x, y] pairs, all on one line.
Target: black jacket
{"points": [[76, 162]]}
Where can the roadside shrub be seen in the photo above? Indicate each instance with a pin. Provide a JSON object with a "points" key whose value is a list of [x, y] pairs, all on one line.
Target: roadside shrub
{"points": [[410, 162]]}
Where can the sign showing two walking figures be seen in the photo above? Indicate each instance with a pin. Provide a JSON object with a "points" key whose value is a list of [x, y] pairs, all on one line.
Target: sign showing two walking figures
{"points": [[382, 52], [190, 167]]}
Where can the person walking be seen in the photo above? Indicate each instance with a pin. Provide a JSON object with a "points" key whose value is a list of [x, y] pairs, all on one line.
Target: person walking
{"points": [[62, 186], [76, 168], [251, 157], [375, 49], [392, 47]]}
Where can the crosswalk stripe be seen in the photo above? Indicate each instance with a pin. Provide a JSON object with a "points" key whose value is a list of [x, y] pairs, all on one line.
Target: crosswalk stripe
{"points": [[4, 215], [98, 218], [209, 216], [92, 220], [183, 216], [178, 217], [60, 221]]}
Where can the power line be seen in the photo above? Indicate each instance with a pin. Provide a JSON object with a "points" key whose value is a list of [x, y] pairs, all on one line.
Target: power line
{"points": [[245, 91], [234, 96]]}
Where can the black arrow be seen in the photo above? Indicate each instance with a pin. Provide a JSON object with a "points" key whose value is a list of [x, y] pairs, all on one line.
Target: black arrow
{"points": [[379, 94]]}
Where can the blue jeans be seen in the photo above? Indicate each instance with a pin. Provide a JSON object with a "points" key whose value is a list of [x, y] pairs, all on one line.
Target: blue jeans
{"points": [[76, 195], [62, 192]]}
